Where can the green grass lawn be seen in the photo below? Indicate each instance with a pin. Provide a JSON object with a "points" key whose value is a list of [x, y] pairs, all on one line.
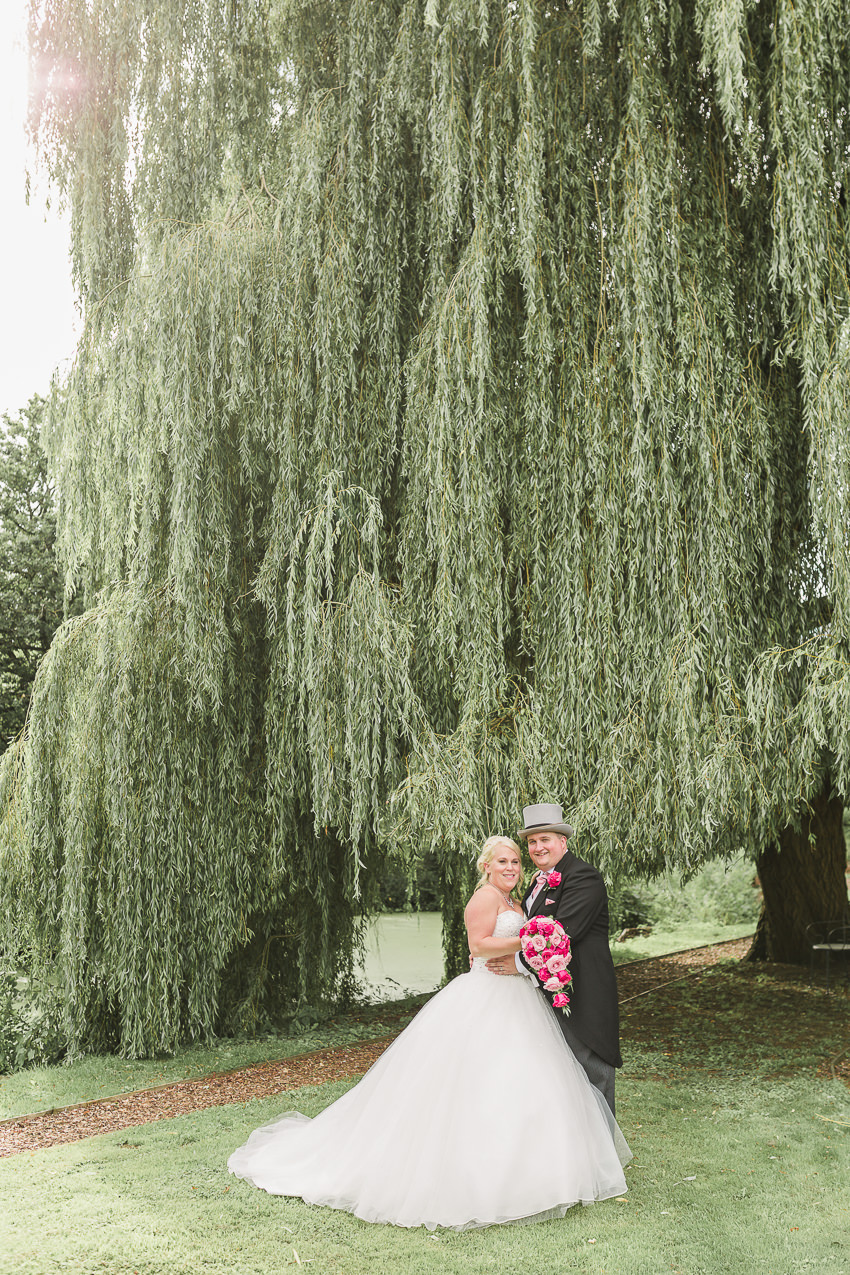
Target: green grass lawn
{"points": [[676, 938], [727, 1178], [741, 1166]]}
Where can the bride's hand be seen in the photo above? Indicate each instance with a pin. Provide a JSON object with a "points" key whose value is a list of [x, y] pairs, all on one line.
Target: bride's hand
{"points": [[503, 965]]}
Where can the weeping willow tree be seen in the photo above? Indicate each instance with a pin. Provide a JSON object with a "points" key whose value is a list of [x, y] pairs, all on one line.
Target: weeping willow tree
{"points": [[461, 419]]}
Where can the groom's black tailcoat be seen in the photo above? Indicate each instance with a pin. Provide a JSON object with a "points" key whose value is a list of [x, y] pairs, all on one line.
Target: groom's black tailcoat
{"points": [[580, 903]]}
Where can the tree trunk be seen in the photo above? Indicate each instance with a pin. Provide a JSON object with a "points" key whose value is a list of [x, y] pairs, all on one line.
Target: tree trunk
{"points": [[802, 880], [457, 881]]}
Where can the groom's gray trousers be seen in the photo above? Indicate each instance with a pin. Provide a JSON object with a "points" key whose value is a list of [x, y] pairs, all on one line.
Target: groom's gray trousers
{"points": [[599, 1072]]}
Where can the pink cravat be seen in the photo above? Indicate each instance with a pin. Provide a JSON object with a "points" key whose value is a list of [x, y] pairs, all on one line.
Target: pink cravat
{"points": [[538, 886]]}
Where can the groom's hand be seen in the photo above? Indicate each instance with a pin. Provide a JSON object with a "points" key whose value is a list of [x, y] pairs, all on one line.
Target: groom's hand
{"points": [[503, 965]]}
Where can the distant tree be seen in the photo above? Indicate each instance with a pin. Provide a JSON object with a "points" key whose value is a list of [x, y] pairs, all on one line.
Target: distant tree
{"points": [[30, 583]]}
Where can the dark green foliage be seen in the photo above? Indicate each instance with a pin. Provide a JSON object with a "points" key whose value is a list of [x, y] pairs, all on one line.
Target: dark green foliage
{"points": [[32, 1030], [30, 583], [414, 887], [461, 419]]}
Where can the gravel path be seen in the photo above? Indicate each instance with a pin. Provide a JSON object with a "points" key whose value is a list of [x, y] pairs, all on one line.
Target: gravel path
{"points": [[70, 1124]]}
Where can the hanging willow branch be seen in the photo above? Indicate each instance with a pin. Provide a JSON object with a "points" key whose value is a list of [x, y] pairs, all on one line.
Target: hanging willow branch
{"points": [[461, 419]]}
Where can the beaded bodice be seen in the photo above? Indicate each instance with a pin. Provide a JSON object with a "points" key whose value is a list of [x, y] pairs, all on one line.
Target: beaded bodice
{"points": [[508, 925]]}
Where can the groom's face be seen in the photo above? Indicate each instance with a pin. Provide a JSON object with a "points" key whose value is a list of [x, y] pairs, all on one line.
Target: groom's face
{"points": [[546, 849]]}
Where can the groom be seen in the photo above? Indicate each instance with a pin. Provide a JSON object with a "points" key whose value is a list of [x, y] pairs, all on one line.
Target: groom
{"points": [[573, 892]]}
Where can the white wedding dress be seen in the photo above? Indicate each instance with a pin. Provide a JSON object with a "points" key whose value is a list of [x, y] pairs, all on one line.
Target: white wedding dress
{"points": [[478, 1113]]}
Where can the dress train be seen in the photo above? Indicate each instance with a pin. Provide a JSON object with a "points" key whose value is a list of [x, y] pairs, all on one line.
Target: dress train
{"points": [[441, 1131]]}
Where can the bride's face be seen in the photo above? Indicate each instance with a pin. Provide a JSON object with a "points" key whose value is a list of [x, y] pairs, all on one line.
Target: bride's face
{"points": [[503, 869]]}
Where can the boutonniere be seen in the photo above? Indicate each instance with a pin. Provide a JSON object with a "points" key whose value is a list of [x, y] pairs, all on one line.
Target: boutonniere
{"points": [[553, 879]]}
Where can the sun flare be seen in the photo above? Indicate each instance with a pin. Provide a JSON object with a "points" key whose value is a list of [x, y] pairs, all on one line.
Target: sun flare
{"points": [[38, 328]]}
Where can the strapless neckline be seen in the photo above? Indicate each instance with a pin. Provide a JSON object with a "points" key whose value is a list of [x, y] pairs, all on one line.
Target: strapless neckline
{"points": [[508, 925]]}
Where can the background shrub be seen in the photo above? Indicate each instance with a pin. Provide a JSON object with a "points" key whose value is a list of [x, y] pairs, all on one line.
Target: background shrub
{"points": [[31, 1033], [721, 893]]}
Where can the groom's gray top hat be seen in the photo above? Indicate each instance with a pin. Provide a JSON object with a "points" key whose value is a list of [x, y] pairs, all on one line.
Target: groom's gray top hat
{"points": [[545, 817]]}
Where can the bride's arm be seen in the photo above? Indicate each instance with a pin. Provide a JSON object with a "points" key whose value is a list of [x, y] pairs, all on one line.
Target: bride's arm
{"points": [[480, 917]]}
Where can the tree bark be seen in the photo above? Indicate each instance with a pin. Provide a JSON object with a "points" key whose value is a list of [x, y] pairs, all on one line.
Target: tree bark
{"points": [[457, 881], [803, 880]]}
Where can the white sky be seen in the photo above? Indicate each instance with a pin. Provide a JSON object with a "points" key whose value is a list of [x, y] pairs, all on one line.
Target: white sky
{"points": [[38, 321]]}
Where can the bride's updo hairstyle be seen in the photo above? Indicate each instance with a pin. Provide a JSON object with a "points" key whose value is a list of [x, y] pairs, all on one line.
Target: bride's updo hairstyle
{"points": [[491, 845]]}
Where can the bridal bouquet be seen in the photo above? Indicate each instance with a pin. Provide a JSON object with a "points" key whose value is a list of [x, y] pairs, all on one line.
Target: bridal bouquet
{"points": [[546, 948]]}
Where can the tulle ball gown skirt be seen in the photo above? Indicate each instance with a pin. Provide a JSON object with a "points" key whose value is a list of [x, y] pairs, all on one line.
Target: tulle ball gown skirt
{"points": [[477, 1114]]}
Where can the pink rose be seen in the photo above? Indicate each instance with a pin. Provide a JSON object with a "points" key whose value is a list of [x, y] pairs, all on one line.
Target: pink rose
{"points": [[556, 962], [538, 943], [552, 985], [564, 977], [553, 879], [536, 962], [561, 1001], [547, 928]]}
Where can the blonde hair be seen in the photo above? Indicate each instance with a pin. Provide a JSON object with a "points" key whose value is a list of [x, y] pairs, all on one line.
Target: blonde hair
{"points": [[485, 858]]}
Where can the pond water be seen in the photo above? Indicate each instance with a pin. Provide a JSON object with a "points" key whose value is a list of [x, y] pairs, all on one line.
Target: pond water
{"points": [[403, 955]]}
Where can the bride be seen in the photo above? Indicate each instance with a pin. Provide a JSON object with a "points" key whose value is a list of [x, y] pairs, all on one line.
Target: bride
{"points": [[436, 1133]]}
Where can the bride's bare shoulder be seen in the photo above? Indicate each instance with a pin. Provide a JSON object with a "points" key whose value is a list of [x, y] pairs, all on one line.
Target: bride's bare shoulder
{"points": [[484, 902]]}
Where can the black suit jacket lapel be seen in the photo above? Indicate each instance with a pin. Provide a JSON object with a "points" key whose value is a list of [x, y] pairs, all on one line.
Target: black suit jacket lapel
{"points": [[553, 892]]}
